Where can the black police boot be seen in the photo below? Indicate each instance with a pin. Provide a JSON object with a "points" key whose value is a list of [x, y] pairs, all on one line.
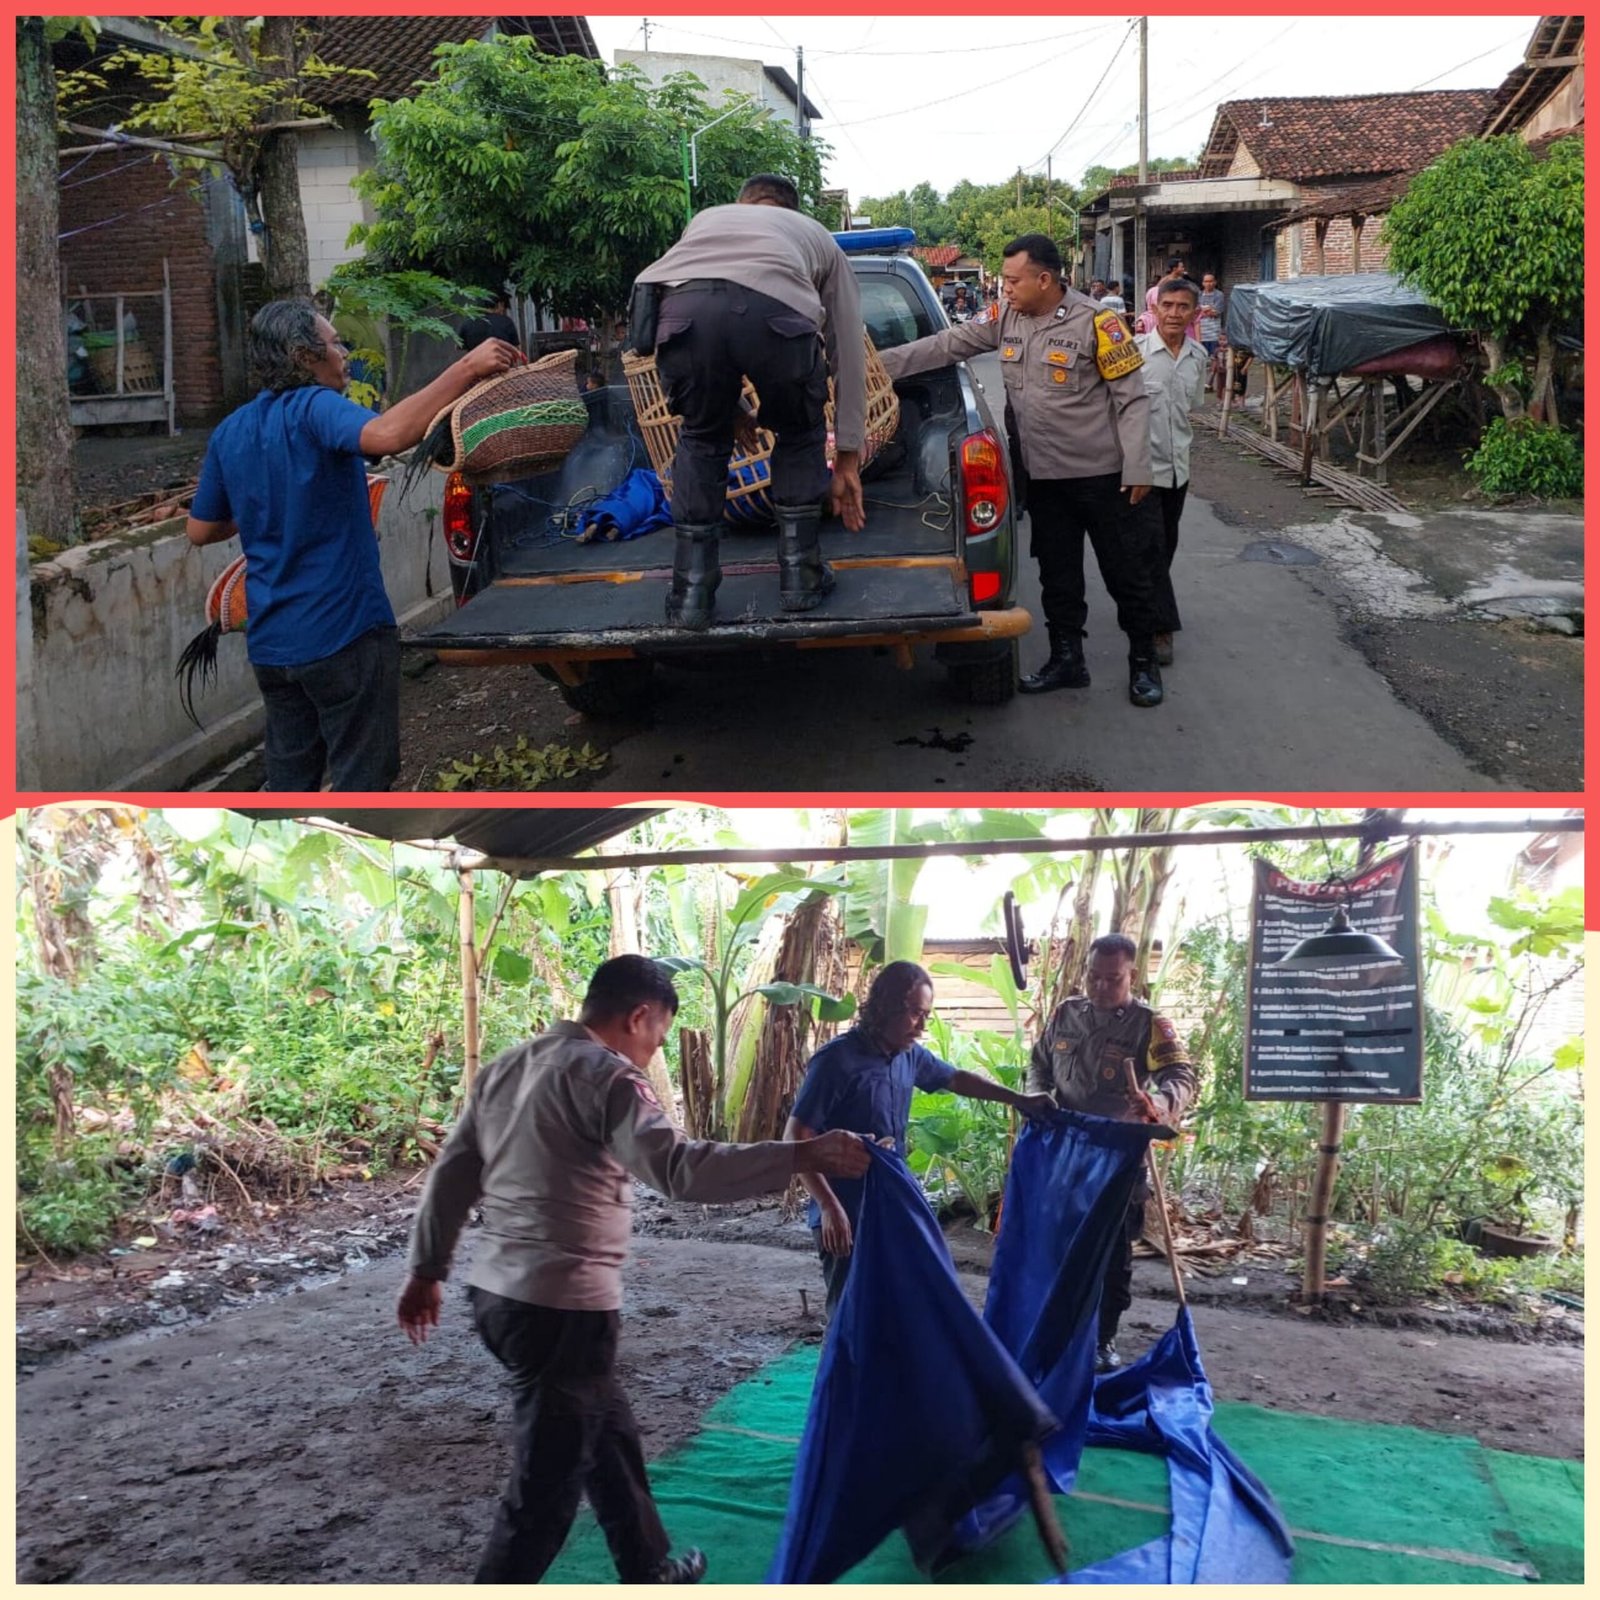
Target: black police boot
{"points": [[1064, 669], [690, 1567], [1144, 676], [804, 578], [695, 575]]}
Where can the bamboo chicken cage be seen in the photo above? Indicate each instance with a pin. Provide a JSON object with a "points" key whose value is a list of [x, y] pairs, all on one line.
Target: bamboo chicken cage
{"points": [[749, 475]]}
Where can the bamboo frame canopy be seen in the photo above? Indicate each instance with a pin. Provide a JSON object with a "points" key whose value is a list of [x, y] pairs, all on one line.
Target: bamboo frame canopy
{"points": [[525, 841]]}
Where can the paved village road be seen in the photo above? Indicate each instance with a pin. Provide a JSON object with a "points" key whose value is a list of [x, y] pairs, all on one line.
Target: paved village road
{"points": [[1265, 694], [1440, 651]]}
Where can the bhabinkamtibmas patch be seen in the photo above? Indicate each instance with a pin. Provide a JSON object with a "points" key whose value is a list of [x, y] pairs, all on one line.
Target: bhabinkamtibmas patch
{"points": [[1115, 351]]}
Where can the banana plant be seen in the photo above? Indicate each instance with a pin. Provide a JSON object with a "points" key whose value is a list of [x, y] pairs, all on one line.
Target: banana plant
{"points": [[776, 893]]}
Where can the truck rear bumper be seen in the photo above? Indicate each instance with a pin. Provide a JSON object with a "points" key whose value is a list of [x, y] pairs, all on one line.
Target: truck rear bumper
{"points": [[975, 628]]}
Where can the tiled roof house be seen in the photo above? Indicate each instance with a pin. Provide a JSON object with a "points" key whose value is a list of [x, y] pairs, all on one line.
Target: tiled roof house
{"points": [[1271, 156]]}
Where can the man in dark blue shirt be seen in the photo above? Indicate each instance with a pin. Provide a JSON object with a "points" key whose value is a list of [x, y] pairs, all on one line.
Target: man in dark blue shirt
{"points": [[286, 473], [862, 1082]]}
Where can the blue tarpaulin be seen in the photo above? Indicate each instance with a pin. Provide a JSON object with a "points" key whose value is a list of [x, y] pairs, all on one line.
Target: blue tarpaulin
{"points": [[637, 505], [916, 1420], [917, 1413]]}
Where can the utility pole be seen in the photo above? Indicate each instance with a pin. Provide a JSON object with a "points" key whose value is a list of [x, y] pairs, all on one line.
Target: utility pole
{"points": [[1019, 188], [646, 22], [1141, 249], [800, 91]]}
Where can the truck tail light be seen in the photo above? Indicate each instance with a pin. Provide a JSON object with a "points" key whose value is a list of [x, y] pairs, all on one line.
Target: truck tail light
{"points": [[983, 482], [460, 538], [985, 495]]}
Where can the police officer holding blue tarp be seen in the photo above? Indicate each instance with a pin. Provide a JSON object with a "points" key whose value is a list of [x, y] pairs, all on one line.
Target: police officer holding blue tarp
{"points": [[1074, 386]]}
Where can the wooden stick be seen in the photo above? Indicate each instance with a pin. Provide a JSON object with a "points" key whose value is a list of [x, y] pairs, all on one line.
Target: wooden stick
{"points": [[1044, 1511], [1166, 1222]]}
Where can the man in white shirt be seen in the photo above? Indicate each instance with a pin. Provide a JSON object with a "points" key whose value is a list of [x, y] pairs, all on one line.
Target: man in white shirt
{"points": [[1175, 378]]}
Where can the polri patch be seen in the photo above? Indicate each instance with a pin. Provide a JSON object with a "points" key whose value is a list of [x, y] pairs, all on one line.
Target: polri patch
{"points": [[1115, 352]]}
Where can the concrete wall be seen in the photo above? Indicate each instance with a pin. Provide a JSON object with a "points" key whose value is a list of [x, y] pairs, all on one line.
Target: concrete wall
{"points": [[718, 73], [106, 623], [329, 159]]}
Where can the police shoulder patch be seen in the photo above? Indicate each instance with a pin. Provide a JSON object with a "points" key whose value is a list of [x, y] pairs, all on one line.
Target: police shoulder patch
{"points": [[1116, 353]]}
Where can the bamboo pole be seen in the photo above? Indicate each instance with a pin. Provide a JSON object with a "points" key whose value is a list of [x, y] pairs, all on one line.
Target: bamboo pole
{"points": [[1396, 828], [1312, 1287], [469, 979]]}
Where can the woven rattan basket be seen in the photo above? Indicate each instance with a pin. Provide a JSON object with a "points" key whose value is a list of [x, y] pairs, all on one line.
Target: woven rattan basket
{"points": [[225, 602], [517, 424], [749, 477]]}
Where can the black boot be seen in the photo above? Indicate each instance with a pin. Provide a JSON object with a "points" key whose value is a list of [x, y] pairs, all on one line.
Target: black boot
{"points": [[695, 575], [804, 578], [1144, 676], [1065, 668]]}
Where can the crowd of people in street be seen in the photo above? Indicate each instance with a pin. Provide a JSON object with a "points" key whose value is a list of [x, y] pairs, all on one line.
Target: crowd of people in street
{"points": [[554, 1129]]}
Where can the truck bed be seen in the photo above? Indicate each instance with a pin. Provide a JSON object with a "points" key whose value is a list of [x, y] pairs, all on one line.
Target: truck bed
{"points": [[901, 573]]}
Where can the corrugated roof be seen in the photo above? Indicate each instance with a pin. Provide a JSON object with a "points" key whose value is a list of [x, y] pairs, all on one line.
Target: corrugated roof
{"points": [[937, 255], [399, 50], [1306, 138]]}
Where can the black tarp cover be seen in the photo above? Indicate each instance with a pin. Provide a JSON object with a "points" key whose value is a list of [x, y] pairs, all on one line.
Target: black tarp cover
{"points": [[1326, 326]]}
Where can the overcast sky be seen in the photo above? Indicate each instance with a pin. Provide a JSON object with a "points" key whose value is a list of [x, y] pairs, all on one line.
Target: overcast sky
{"points": [[911, 98]]}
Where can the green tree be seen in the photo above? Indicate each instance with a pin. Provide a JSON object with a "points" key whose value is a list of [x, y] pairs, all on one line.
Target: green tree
{"points": [[1494, 237], [44, 423], [235, 85], [1097, 179], [516, 166]]}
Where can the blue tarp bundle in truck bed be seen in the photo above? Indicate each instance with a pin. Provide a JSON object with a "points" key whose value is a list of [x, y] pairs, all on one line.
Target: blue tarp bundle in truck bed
{"points": [[1329, 325], [918, 1407]]}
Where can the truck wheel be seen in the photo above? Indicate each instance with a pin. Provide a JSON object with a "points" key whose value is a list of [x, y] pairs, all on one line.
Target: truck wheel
{"points": [[987, 683], [611, 688]]}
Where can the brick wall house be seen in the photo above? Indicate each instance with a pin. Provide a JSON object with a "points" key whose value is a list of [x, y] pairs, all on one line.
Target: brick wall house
{"points": [[124, 209], [122, 212], [1340, 227], [1244, 212]]}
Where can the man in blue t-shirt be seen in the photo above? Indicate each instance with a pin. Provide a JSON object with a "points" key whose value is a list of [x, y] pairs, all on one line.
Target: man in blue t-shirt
{"points": [[286, 473], [862, 1082]]}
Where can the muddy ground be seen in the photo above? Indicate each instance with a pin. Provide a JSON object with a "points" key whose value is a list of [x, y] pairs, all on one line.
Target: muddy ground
{"points": [[292, 1435], [1508, 694]]}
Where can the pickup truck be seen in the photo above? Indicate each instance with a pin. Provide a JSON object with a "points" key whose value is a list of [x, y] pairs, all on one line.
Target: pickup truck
{"points": [[935, 564]]}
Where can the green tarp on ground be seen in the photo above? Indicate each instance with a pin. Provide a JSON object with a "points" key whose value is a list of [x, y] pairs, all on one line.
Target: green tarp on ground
{"points": [[1367, 1503]]}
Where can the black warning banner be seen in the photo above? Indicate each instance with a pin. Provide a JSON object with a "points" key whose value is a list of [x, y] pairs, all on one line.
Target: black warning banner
{"points": [[1350, 1032]]}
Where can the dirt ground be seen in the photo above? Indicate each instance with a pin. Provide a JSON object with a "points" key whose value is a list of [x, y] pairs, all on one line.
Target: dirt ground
{"points": [[280, 1428]]}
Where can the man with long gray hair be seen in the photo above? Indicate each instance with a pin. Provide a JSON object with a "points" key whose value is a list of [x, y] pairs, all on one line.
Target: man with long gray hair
{"points": [[285, 473], [862, 1081]]}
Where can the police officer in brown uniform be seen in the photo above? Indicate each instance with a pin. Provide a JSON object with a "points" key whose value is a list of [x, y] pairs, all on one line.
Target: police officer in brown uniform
{"points": [[1083, 1058], [1074, 386]]}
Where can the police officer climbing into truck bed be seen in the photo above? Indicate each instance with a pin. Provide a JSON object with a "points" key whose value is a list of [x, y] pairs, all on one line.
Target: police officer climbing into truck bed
{"points": [[1073, 383], [746, 290]]}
